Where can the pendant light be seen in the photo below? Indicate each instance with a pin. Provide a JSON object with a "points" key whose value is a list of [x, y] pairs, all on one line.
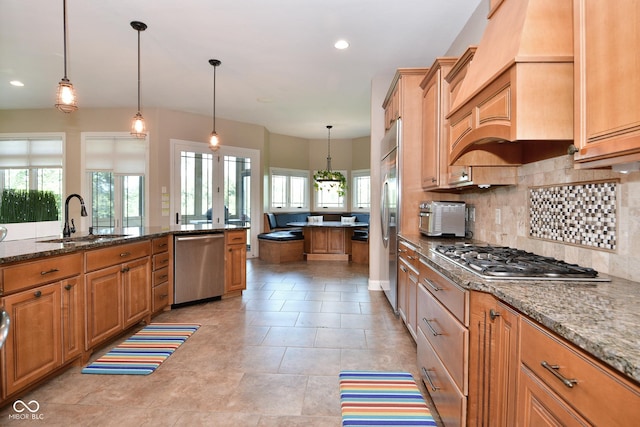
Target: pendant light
{"points": [[334, 179], [138, 126], [66, 100], [214, 139]]}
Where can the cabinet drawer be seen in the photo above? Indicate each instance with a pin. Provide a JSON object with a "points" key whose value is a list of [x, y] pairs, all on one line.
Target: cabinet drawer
{"points": [[161, 260], [236, 236], [160, 296], [408, 253], [597, 387], [101, 258], [160, 276], [454, 298], [450, 402], [160, 244], [28, 274], [448, 337]]}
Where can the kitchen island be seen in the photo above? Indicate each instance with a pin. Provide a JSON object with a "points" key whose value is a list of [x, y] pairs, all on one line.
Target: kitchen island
{"points": [[525, 347], [66, 297], [328, 240]]}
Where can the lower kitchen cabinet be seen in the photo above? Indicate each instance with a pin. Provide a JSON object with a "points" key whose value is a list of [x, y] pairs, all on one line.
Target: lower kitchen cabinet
{"points": [[407, 285], [493, 361], [235, 277], [162, 273], [561, 383], [45, 333], [118, 291]]}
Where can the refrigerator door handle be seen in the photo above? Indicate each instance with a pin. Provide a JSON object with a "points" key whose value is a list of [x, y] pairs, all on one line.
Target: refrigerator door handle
{"points": [[384, 213]]}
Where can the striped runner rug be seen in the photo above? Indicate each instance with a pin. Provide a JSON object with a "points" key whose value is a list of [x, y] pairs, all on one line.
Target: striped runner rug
{"points": [[373, 398], [142, 353]]}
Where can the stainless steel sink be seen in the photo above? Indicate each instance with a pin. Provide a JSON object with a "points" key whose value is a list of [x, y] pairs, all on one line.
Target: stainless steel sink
{"points": [[87, 238]]}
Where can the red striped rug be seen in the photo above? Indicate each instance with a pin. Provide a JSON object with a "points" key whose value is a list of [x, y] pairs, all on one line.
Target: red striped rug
{"points": [[143, 352], [373, 398]]}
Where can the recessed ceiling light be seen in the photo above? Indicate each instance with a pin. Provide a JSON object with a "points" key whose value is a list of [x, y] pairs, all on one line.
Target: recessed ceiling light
{"points": [[16, 83], [341, 44]]}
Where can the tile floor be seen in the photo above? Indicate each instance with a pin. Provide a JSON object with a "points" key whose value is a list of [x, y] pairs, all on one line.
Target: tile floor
{"points": [[268, 358]]}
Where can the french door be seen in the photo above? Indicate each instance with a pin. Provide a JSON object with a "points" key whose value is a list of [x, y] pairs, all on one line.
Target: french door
{"points": [[216, 188]]}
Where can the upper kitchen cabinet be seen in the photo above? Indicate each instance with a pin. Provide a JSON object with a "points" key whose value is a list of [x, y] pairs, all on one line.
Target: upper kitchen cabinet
{"points": [[515, 104], [435, 104], [607, 70], [405, 97]]}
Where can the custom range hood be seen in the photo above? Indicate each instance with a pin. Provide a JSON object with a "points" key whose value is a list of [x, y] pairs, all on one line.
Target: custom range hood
{"points": [[515, 104]]}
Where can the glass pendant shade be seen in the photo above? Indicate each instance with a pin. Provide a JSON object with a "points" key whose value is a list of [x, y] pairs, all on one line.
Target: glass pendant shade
{"points": [[138, 126], [66, 100], [214, 141]]}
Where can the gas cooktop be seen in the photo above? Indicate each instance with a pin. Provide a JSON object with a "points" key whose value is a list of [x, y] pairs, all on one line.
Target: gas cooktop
{"points": [[501, 262]]}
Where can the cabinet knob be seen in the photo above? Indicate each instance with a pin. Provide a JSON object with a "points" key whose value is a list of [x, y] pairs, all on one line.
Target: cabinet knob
{"points": [[493, 314], [68, 287], [125, 269], [37, 294], [572, 149]]}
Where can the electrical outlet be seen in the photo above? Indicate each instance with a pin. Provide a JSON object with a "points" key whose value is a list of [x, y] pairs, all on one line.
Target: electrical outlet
{"points": [[498, 219]]}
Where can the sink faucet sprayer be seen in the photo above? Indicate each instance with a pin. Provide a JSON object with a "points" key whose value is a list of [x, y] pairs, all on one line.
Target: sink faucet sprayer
{"points": [[66, 231]]}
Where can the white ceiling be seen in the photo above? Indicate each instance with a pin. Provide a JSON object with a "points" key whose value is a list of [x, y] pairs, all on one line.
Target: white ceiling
{"points": [[279, 67]]}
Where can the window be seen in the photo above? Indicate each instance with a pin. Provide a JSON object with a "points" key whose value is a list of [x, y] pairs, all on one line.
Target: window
{"points": [[326, 196], [115, 168], [289, 189], [32, 162], [361, 190]]}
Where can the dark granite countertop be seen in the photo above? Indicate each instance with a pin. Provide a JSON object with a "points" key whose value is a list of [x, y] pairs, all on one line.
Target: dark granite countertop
{"points": [[603, 318], [24, 250]]}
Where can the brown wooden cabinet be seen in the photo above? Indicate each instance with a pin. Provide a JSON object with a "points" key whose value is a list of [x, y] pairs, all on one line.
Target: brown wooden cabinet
{"points": [[558, 381], [162, 273], [435, 106], [405, 91], [46, 320], [117, 290], [493, 362], [235, 262], [607, 105]]}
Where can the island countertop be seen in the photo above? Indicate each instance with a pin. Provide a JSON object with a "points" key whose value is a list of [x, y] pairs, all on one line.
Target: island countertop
{"points": [[26, 249], [602, 318]]}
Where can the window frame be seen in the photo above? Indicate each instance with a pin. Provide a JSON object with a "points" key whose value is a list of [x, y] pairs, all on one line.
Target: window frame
{"points": [[343, 207], [288, 173], [355, 175]]}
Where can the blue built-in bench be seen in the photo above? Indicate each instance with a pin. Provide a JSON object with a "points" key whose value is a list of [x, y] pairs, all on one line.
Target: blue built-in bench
{"points": [[282, 243]]}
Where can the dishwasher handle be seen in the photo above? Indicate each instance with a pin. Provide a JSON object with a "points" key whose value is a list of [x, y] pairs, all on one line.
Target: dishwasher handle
{"points": [[202, 237]]}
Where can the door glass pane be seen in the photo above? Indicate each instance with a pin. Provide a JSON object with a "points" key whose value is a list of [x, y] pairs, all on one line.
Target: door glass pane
{"points": [[196, 187], [237, 190], [102, 199], [133, 201]]}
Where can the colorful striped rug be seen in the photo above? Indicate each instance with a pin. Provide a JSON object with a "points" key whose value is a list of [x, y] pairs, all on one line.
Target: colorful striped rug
{"points": [[142, 353], [371, 398]]}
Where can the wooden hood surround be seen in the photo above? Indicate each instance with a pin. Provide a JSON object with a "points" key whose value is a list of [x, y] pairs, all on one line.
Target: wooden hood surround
{"points": [[515, 105]]}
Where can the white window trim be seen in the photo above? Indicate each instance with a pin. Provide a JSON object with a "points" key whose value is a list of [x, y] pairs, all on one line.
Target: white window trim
{"points": [[84, 185], [355, 174], [291, 172]]}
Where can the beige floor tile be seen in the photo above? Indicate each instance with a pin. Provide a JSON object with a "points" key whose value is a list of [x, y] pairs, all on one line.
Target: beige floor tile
{"points": [[311, 361], [290, 337]]}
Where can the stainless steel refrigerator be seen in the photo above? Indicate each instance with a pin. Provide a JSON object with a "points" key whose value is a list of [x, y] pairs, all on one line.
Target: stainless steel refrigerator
{"points": [[389, 208]]}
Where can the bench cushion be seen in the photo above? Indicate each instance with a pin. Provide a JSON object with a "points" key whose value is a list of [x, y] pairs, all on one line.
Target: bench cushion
{"points": [[282, 235]]}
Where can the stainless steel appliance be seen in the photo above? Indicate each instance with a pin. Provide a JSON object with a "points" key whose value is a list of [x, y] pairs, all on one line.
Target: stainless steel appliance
{"points": [[4, 326], [500, 262], [442, 218], [198, 267], [389, 208]]}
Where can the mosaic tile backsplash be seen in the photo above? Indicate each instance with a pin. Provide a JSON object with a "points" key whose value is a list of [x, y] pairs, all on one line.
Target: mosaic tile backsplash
{"points": [[579, 214]]}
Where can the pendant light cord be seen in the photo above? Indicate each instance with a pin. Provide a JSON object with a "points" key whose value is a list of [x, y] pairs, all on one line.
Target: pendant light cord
{"points": [[214, 97], [329, 147], [64, 36], [138, 71]]}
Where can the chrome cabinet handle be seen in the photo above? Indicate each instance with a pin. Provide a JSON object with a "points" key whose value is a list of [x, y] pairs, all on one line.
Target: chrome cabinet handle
{"points": [[433, 331], [493, 314], [125, 254], [44, 273], [554, 370], [425, 374], [431, 284]]}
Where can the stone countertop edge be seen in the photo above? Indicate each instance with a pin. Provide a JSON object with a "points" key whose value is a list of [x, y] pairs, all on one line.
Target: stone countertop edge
{"points": [[601, 318], [24, 250]]}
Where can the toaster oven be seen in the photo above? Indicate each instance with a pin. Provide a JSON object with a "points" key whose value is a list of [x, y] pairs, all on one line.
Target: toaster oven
{"points": [[446, 219]]}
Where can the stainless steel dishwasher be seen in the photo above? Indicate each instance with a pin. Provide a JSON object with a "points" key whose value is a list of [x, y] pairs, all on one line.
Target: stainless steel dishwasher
{"points": [[198, 267]]}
